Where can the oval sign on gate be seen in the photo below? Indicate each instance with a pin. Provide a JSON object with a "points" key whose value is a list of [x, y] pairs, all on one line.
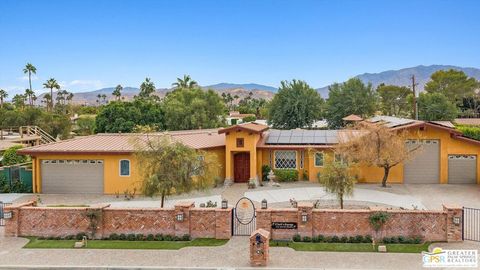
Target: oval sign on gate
{"points": [[244, 211]]}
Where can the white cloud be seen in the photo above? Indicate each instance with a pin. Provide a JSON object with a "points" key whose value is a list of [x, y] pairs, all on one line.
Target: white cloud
{"points": [[85, 84]]}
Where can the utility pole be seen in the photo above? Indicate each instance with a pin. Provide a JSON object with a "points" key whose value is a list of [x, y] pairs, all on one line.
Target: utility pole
{"points": [[415, 112]]}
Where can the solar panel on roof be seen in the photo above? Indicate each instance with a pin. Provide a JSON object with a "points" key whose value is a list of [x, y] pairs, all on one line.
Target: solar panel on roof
{"points": [[296, 140], [297, 133], [284, 140], [320, 140], [308, 140]]}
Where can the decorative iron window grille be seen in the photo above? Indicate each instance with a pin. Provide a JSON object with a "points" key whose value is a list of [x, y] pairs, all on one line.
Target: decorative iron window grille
{"points": [[302, 157], [285, 159], [318, 159]]}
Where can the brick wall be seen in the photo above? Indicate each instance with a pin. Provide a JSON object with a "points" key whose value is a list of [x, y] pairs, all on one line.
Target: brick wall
{"points": [[431, 225], [28, 220]]}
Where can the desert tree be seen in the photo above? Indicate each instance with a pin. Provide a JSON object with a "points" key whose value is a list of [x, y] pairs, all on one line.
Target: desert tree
{"points": [[376, 145], [336, 178], [51, 84], [117, 93], [170, 167]]}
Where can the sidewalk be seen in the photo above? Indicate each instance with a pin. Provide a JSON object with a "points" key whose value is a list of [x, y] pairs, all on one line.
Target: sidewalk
{"points": [[232, 255]]}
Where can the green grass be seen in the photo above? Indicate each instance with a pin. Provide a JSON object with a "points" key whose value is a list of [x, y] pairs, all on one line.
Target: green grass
{"points": [[113, 244], [350, 247]]}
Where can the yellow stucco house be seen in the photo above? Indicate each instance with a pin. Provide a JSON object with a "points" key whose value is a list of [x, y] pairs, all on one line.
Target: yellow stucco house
{"points": [[104, 163]]}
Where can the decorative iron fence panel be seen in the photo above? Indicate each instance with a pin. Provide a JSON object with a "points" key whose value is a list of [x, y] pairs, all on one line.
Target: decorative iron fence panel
{"points": [[2, 205], [471, 224], [244, 218]]}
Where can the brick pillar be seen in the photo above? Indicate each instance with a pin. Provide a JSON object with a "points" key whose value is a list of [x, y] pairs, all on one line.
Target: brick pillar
{"points": [[183, 227], [12, 225], [223, 223], [264, 219], [305, 228], [259, 247], [454, 231]]}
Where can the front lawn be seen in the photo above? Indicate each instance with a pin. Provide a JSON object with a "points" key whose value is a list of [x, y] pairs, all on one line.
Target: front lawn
{"points": [[118, 244], [350, 247]]}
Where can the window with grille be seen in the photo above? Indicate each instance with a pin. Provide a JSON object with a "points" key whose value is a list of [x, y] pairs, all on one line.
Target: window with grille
{"points": [[302, 158], [240, 142], [285, 159], [318, 159], [339, 158], [124, 167]]}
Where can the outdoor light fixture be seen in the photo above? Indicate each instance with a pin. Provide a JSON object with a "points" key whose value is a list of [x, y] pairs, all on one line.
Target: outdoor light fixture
{"points": [[264, 204], [7, 215], [304, 217], [224, 204], [179, 216], [456, 220]]}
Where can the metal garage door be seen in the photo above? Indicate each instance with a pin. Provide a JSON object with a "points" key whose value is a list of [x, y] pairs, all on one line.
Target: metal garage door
{"points": [[462, 169], [72, 176], [424, 168]]}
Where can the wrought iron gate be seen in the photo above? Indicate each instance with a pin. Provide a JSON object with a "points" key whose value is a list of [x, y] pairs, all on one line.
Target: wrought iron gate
{"points": [[244, 217], [2, 205], [471, 224]]}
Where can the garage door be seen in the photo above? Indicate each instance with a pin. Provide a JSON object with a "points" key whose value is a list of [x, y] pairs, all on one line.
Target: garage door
{"points": [[424, 168], [462, 169], [72, 176]]}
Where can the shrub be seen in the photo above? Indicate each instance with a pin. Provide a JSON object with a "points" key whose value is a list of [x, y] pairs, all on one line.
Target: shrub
{"points": [[402, 239], [69, 237], [378, 219], [265, 170], [352, 239], [394, 240], [367, 239], [50, 238], [167, 238], [359, 239], [335, 239], [249, 118], [159, 237], [80, 236], [131, 237], [10, 156], [139, 237], [386, 240], [186, 237], [307, 239], [315, 239], [113, 236], [41, 238], [177, 238], [150, 237], [343, 239], [297, 238], [286, 175], [122, 236], [328, 239], [417, 240], [321, 238], [470, 131]]}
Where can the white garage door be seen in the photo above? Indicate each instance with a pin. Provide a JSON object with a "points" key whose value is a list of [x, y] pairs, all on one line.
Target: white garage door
{"points": [[424, 168], [462, 169], [72, 176]]}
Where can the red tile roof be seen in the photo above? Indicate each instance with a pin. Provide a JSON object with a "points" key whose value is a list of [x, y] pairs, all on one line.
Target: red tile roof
{"points": [[253, 127], [124, 143], [352, 117], [468, 121]]}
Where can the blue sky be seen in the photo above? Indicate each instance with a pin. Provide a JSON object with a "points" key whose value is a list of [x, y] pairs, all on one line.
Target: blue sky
{"points": [[90, 44]]}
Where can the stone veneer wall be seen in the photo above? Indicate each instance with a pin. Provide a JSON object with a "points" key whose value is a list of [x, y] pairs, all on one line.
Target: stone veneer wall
{"points": [[430, 225], [29, 220]]}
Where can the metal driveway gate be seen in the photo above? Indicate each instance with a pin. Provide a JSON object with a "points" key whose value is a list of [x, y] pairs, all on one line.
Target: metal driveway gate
{"points": [[471, 224], [2, 205], [244, 217]]}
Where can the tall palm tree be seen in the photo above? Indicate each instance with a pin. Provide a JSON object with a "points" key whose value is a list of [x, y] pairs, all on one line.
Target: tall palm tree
{"points": [[104, 97], [117, 92], [185, 83], [3, 95], [30, 69], [51, 84]]}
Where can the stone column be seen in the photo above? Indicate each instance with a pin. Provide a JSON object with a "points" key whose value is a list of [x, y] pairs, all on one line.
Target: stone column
{"points": [[454, 222], [182, 227], [305, 228]]}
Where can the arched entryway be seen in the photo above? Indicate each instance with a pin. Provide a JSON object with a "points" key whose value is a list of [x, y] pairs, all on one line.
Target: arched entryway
{"points": [[241, 167]]}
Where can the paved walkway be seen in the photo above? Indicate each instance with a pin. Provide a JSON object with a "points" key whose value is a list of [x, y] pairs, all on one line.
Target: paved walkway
{"points": [[232, 255], [155, 203], [318, 193]]}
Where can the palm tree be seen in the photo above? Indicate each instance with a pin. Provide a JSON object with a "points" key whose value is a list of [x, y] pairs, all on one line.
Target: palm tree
{"points": [[104, 97], [185, 83], [47, 99], [29, 94], [29, 68], [117, 92], [51, 83], [3, 95], [19, 101]]}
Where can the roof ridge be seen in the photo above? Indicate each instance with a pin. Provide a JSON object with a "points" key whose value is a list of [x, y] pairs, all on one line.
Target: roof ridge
{"points": [[57, 142]]}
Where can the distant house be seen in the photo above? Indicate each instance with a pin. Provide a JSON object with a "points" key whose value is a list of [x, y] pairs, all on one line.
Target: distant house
{"points": [[104, 163], [235, 117], [468, 121]]}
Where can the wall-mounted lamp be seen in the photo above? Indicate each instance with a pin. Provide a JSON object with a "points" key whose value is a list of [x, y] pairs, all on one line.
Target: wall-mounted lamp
{"points": [[456, 220], [224, 204], [179, 217], [264, 204], [7, 215], [304, 217]]}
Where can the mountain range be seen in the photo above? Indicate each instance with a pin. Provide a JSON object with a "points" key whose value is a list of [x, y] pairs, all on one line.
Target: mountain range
{"points": [[401, 77]]}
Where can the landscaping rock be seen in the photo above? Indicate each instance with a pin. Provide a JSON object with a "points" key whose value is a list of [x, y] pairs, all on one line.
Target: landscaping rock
{"points": [[382, 248], [79, 244]]}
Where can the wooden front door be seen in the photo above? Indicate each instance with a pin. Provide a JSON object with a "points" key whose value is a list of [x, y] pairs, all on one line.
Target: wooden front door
{"points": [[241, 167]]}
